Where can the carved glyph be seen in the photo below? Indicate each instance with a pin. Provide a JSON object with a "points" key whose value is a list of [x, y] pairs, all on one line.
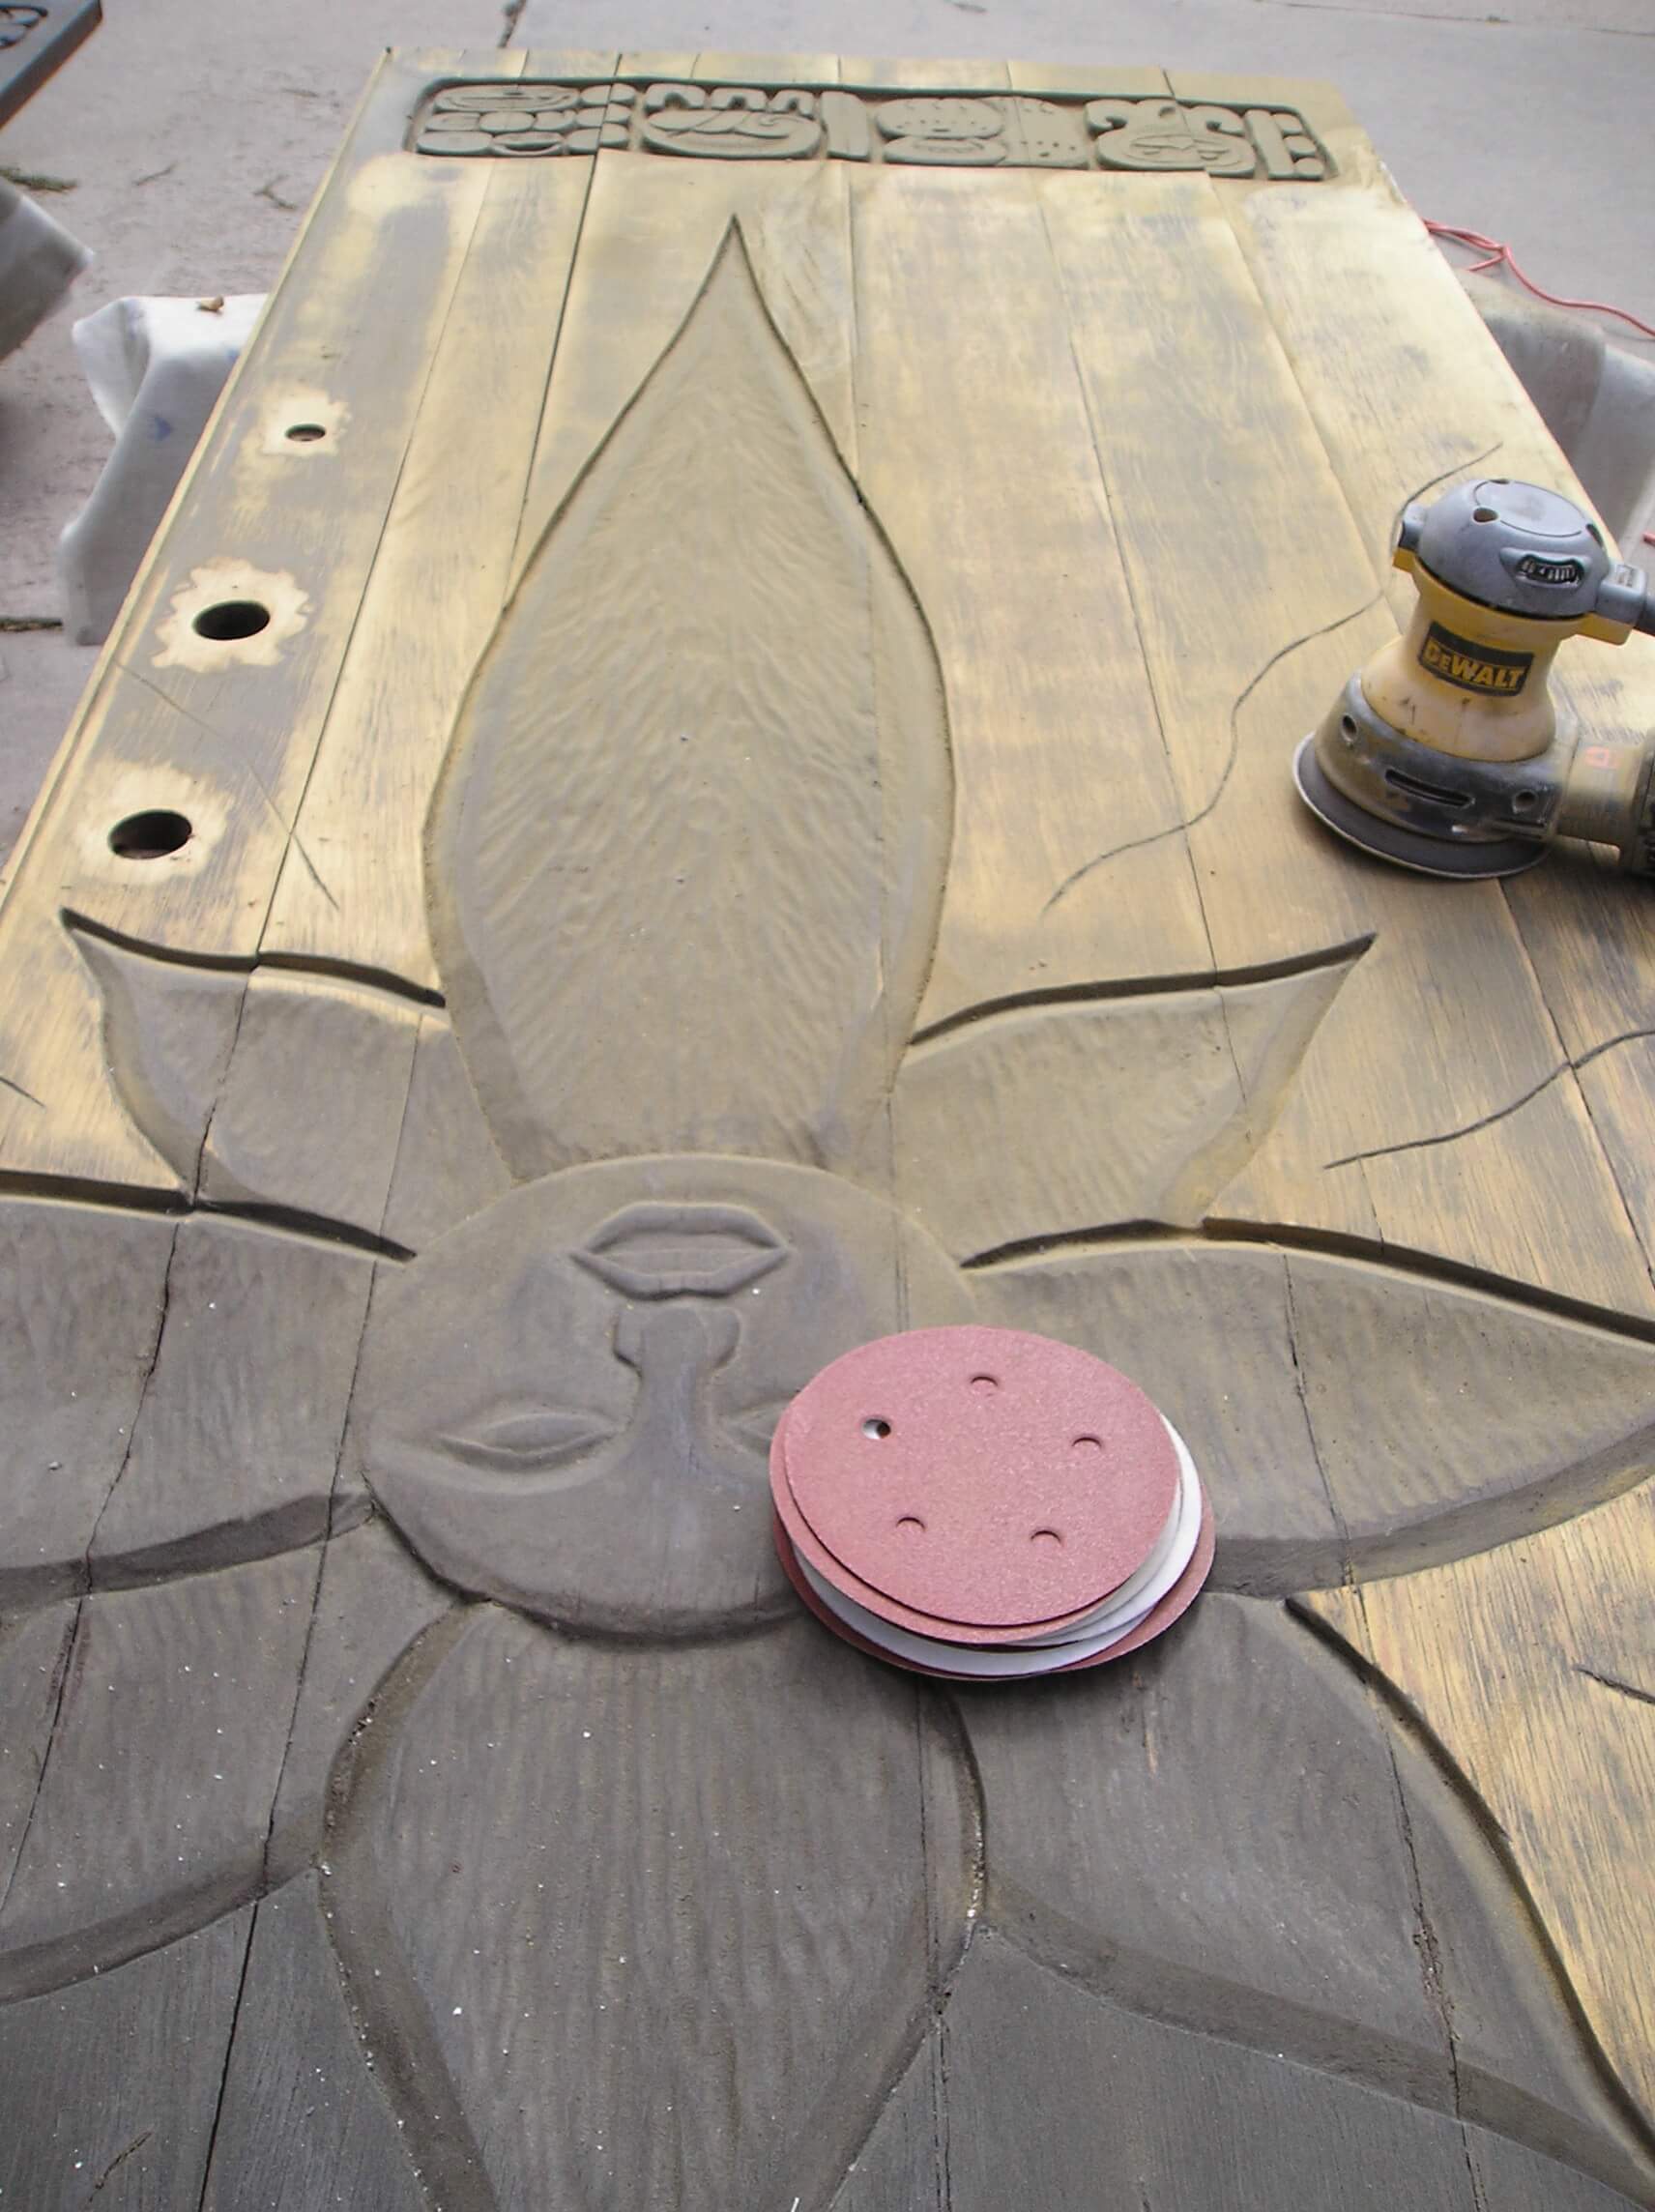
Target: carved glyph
{"points": [[793, 123]]}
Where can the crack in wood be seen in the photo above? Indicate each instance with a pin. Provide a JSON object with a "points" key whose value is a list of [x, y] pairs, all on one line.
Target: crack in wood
{"points": [[1436, 1992], [85, 1578], [302, 1674], [1416, 1731], [1335, 1512], [1499, 1113], [60, 1688], [1609, 1682], [1156, 836], [120, 2158], [1175, 829]]}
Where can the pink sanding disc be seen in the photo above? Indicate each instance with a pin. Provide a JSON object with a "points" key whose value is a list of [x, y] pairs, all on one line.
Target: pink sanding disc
{"points": [[1176, 1601], [808, 1546], [985, 1477]]}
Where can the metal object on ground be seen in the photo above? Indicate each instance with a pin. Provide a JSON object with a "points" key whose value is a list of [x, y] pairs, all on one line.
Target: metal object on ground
{"points": [[1444, 754]]}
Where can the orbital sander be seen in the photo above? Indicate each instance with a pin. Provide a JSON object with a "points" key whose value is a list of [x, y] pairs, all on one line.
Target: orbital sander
{"points": [[1444, 753]]}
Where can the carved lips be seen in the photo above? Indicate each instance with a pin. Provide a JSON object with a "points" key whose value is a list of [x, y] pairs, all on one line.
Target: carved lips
{"points": [[985, 1502]]}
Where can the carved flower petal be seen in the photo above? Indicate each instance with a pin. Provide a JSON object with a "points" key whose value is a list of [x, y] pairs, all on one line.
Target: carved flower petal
{"points": [[1213, 1926], [173, 1392], [1028, 1121], [721, 949], [762, 1842], [190, 1736], [1351, 1418], [169, 1027], [203, 1055]]}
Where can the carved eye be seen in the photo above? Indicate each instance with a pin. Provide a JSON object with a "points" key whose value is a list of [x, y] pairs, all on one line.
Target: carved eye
{"points": [[526, 1439]]}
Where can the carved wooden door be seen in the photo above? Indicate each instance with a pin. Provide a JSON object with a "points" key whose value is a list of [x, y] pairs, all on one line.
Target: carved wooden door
{"points": [[701, 774]]}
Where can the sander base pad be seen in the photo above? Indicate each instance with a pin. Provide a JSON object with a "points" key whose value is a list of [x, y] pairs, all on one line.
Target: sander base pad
{"points": [[1462, 861]]}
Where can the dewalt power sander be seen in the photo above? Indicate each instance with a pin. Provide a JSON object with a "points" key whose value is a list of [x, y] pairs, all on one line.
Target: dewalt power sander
{"points": [[1444, 753]]}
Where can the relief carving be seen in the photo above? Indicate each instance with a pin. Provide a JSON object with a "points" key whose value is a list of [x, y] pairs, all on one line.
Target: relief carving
{"points": [[519, 119], [748, 122], [733, 123], [628, 1788], [963, 133], [18, 18]]}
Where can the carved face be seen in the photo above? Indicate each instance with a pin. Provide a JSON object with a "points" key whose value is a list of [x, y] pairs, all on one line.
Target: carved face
{"points": [[569, 1401]]}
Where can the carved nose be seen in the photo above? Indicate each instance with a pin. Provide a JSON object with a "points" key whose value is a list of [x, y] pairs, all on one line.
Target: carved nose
{"points": [[676, 1350]]}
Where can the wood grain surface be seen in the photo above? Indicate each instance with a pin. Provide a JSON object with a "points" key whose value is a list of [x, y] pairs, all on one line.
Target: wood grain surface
{"points": [[699, 772]]}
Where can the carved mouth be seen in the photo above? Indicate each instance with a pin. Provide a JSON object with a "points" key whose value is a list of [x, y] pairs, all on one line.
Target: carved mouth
{"points": [[652, 1250]]}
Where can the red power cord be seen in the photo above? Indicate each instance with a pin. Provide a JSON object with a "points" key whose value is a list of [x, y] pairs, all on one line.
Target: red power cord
{"points": [[1496, 255]]}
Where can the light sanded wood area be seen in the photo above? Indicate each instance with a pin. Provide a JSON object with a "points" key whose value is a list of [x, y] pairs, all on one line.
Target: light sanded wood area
{"points": [[699, 772], [1555, 1730]]}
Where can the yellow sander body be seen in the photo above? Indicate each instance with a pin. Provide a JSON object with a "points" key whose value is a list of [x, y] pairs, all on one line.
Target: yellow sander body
{"points": [[1444, 753]]}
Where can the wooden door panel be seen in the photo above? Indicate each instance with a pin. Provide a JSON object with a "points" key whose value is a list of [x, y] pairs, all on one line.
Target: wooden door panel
{"points": [[757, 816]]}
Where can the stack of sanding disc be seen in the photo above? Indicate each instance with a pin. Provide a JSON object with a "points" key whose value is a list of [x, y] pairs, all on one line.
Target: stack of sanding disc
{"points": [[981, 1502]]}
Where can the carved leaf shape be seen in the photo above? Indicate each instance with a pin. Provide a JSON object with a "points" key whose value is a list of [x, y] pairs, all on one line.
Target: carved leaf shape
{"points": [[735, 1871], [1270, 1966], [686, 857], [177, 1757], [203, 1052], [1143, 1108], [1350, 1418], [169, 1027], [173, 1392]]}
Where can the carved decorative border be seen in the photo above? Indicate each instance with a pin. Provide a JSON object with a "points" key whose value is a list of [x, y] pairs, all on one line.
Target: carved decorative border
{"points": [[806, 123], [18, 18]]}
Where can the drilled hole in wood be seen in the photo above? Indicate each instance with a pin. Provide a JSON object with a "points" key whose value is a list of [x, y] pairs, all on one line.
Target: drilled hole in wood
{"points": [[305, 433], [232, 618], [151, 836], [874, 1427]]}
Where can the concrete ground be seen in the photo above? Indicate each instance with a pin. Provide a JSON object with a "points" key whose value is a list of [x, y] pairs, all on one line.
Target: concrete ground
{"points": [[191, 134]]}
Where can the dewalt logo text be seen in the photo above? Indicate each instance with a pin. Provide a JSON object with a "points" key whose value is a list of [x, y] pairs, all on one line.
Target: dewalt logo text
{"points": [[1474, 667]]}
